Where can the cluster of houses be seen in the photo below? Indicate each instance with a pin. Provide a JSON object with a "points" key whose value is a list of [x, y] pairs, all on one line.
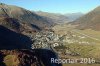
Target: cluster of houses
{"points": [[45, 40], [48, 40]]}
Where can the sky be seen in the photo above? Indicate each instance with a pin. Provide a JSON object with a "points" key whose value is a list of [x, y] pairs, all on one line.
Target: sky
{"points": [[56, 6]]}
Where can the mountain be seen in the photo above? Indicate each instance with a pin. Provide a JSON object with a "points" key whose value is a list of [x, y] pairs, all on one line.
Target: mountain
{"points": [[23, 16], [89, 21], [53, 17], [74, 16]]}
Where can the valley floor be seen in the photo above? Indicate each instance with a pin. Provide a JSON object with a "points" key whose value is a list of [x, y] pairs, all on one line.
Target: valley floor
{"points": [[78, 43]]}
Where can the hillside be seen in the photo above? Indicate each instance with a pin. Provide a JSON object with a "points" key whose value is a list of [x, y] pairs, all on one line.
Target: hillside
{"points": [[22, 15], [27, 58], [53, 17], [89, 21]]}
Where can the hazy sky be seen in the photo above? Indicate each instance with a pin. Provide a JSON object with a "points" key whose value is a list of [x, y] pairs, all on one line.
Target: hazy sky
{"points": [[56, 6]]}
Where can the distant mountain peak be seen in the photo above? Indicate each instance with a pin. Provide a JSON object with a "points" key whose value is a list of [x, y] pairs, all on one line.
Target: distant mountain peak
{"points": [[74, 16]]}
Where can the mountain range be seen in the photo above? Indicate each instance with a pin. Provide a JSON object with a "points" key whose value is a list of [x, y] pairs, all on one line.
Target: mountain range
{"points": [[59, 18], [53, 17]]}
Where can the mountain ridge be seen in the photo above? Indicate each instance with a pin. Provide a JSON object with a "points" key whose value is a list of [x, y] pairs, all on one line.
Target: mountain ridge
{"points": [[53, 17], [22, 15], [89, 21]]}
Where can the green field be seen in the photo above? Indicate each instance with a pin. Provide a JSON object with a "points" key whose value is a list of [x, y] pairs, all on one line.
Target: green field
{"points": [[91, 49]]}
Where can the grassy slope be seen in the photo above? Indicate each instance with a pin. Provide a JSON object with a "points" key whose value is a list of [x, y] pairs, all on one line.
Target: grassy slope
{"points": [[90, 32]]}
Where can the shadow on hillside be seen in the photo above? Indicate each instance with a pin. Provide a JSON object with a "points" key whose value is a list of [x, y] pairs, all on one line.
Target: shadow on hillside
{"points": [[45, 56], [12, 40], [39, 57], [35, 27], [1, 60]]}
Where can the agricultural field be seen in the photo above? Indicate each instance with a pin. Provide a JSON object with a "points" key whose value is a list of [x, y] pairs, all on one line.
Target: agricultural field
{"points": [[79, 44]]}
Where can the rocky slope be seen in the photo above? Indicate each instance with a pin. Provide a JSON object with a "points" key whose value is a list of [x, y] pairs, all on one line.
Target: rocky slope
{"points": [[37, 57]]}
